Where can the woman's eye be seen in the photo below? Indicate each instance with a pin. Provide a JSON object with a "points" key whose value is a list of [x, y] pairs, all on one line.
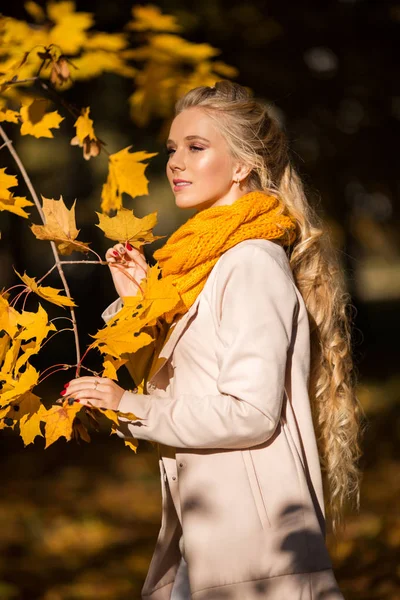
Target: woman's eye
{"points": [[169, 151]]}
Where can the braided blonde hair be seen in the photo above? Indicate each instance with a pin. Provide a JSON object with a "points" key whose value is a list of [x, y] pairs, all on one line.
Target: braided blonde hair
{"points": [[255, 137]]}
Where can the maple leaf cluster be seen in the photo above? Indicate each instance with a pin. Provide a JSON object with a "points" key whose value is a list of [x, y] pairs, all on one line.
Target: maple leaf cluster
{"points": [[58, 47]]}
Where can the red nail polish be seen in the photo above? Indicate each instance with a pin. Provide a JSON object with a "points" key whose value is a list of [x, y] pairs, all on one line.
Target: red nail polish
{"points": [[115, 253], [66, 385], [63, 393], [76, 400], [128, 246]]}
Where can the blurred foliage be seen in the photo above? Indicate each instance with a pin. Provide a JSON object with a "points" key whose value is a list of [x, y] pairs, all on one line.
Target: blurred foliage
{"points": [[80, 522]]}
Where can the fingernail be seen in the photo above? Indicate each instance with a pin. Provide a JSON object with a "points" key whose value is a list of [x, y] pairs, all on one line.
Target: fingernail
{"points": [[128, 246], [76, 400], [63, 393], [115, 253], [66, 385]]}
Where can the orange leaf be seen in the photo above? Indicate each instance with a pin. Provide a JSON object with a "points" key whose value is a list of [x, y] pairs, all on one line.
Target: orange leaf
{"points": [[59, 421]]}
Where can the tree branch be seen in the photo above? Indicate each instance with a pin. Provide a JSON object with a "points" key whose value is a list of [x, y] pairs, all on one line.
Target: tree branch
{"points": [[58, 263]]}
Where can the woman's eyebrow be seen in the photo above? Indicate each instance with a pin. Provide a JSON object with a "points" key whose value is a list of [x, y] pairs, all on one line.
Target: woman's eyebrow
{"points": [[190, 137]]}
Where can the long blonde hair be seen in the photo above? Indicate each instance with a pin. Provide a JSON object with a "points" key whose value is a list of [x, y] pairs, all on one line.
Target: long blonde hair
{"points": [[255, 137]]}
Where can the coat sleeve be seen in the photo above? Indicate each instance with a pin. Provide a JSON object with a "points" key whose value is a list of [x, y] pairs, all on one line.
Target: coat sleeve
{"points": [[112, 309], [254, 303]]}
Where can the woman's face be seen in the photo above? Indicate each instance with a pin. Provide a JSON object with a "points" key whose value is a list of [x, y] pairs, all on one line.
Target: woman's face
{"points": [[199, 155]]}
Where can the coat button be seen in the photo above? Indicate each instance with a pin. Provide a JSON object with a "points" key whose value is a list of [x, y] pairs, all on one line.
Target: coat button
{"points": [[151, 387], [173, 477], [181, 465]]}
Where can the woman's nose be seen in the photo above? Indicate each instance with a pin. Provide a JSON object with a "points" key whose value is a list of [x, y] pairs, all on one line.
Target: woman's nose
{"points": [[176, 161]]}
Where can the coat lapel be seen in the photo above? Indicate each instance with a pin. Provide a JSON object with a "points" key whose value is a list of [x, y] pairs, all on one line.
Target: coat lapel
{"points": [[174, 333]]}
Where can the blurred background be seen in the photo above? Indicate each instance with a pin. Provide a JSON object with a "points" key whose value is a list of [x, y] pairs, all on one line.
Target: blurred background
{"points": [[80, 521]]}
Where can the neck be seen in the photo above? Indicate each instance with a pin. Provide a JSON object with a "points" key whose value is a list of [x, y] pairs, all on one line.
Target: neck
{"points": [[230, 197]]}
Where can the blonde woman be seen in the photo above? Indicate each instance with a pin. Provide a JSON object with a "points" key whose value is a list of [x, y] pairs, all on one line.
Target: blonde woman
{"points": [[253, 389]]}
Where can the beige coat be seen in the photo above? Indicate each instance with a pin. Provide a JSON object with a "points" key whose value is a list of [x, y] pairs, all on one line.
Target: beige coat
{"points": [[227, 402]]}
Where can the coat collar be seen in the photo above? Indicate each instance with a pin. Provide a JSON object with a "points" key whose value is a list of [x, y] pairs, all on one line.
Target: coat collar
{"points": [[174, 333]]}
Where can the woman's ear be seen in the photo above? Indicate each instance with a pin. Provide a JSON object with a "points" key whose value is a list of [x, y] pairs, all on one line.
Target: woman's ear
{"points": [[241, 171]]}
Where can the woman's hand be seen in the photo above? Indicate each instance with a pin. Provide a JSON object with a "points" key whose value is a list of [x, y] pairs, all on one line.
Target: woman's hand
{"points": [[128, 267], [99, 391]]}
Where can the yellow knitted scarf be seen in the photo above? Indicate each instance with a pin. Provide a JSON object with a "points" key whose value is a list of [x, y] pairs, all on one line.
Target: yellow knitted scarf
{"points": [[190, 253]]}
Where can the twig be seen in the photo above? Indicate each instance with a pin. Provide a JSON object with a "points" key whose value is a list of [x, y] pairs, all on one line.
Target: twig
{"points": [[30, 187]]}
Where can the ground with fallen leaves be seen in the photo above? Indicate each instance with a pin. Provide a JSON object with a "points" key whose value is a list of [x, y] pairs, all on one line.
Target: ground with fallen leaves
{"points": [[80, 521]]}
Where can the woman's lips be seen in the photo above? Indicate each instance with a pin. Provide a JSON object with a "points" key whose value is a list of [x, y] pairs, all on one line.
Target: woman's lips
{"points": [[181, 186]]}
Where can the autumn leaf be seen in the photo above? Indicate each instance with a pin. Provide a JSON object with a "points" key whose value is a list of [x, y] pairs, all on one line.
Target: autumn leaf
{"points": [[59, 420], [27, 404], [8, 317], [111, 42], [8, 365], [10, 73], [11, 116], [125, 227], [132, 444], [79, 431], [35, 329], [17, 387], [70, 27], [35, 120], [159, 297], [150, 18], [29, 425], [8, 201], [16, 205], [111, 366], [35, 11], [4, 347], [60, 227], [6, 182], [119, 339], [125, 175], [48, 293]]}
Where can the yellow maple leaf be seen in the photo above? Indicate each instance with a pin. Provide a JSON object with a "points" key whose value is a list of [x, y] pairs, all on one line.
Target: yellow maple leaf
{"points": [[29, 425], [27, 404], [35, 328], [35, 11], [4, 347], [11, 116], [60, 227], [59, 421], [8, 317], [119, 339], [111, 366], [15, 204], [35, 120], [8, 365], [10, 69], [111, 42], [8, 201], [97, 61], [70, 27], [84, 126], [132, 444], [126, 174], [160, 298], [125, 227], [150, 18], [48, 293], [6, 182], [15, 388]]}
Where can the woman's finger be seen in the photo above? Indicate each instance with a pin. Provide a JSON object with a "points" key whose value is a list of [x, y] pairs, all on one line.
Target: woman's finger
{"points": [[92, 402]]}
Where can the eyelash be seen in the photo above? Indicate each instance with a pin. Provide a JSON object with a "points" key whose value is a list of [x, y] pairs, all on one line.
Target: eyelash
{"points": [[168, 151]]}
